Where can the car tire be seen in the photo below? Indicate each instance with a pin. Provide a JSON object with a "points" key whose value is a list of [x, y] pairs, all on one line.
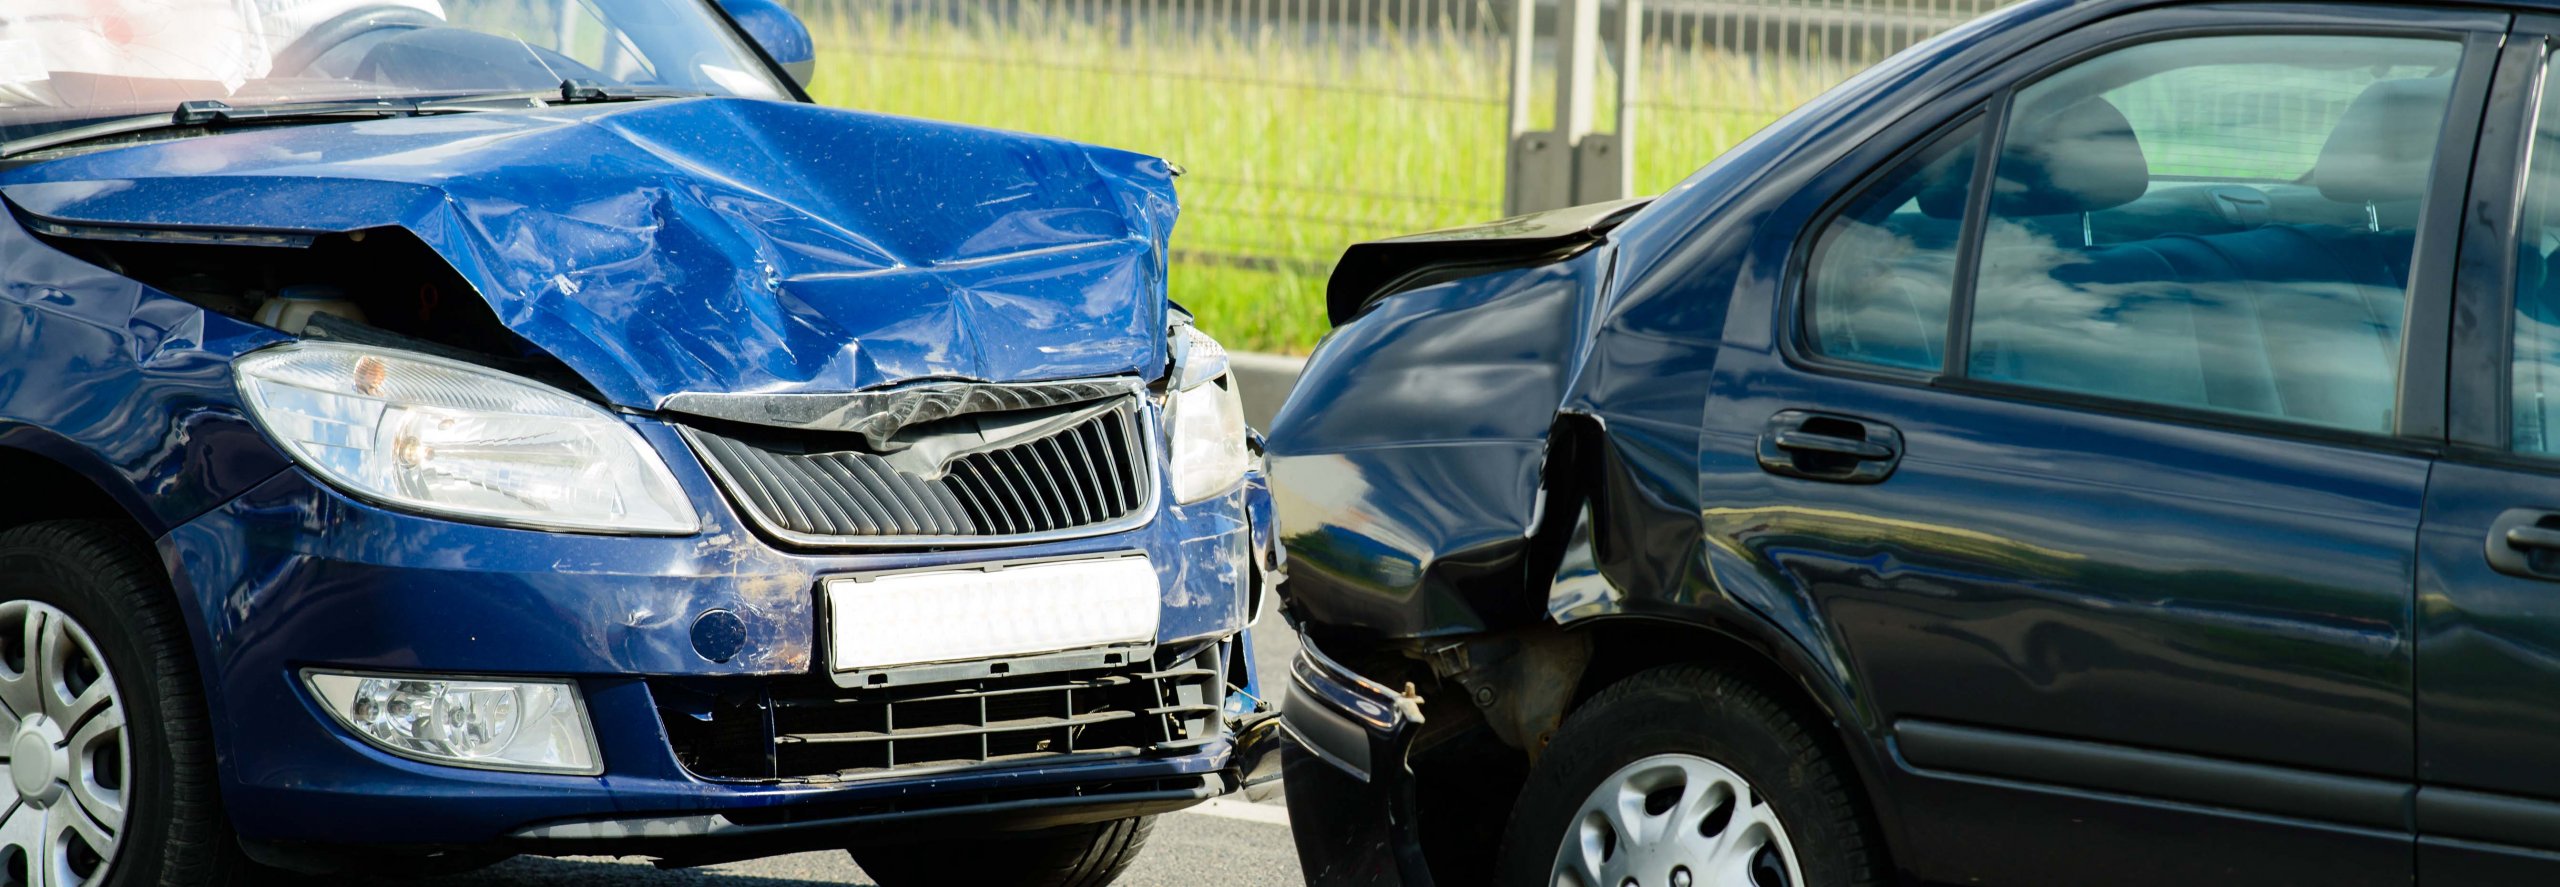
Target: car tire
{"points": [[120, 608], [1737, 789], [1090, 855]]}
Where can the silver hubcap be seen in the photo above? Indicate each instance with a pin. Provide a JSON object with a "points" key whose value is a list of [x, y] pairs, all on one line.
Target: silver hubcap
{"points": [[1675, 821], [64, 725]]}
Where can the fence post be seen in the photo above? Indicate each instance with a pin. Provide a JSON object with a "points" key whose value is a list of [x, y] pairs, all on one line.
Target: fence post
{"points": [[1568, 164], [1538, 172]]}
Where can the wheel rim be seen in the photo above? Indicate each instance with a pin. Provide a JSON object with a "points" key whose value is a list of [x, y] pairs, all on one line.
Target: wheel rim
{"points": [[62, 730], [1675, 821]]}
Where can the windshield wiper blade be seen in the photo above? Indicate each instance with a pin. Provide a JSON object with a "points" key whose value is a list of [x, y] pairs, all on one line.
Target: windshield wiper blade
{"points": [[209, 114], [579, 92], [570, 92]]}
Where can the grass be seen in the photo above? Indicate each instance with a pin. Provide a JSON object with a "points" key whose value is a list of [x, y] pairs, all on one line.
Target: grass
{"points": [[1295, 147]]}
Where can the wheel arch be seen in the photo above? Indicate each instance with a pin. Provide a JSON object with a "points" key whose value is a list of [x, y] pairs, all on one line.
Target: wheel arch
{"points": [[57, 479], [1627, 645]]}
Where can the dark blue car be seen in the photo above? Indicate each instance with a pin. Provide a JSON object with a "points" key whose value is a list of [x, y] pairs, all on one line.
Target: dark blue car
{"points": [[2114, 443], [435, 431]]}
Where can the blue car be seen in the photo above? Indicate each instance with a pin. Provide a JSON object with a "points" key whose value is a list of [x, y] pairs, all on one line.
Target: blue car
{"points": [[438, 430], [2113, 443]]}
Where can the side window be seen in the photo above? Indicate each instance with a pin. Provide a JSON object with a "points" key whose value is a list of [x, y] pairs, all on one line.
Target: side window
{"points": [[2535, 371], [1883, 268], [2221, 223]]}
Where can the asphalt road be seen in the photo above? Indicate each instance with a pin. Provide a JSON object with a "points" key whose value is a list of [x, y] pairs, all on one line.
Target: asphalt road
{"points": [[1217, 845]]}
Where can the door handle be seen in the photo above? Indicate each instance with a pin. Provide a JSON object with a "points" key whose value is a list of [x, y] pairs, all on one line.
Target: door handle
{"points": [[2532, 538], [1829, 447], [2526, 542], [1806, 442]]}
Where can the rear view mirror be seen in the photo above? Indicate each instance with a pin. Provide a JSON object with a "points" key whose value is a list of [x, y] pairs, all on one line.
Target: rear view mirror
{"points": [[782, 35]]}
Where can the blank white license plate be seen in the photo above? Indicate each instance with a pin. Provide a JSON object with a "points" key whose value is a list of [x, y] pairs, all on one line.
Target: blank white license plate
{"points": [[969, 614]]}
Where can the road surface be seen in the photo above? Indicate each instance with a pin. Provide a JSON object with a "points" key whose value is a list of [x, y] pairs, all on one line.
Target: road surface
{"points": [[1226, 844]]}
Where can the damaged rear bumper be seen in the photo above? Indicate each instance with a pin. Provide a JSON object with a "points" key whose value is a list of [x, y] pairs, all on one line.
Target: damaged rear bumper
{"points": [[1351, 798]]}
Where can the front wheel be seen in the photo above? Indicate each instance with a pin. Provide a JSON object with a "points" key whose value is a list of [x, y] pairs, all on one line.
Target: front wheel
{"points": [[1687, 777], [1091, 855], [108, 766]]}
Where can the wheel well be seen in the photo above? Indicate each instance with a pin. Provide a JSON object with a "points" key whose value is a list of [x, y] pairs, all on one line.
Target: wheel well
{"points": [[43, 489], [1623, 647], [1469, 773]]}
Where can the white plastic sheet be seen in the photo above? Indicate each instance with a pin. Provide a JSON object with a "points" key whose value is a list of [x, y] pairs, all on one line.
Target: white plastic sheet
{"points": [[226, 42]]}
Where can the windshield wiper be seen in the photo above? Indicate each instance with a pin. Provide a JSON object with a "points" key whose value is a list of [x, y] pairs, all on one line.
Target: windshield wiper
{"points": [[211, 114], [570, 92], [581, 92]]}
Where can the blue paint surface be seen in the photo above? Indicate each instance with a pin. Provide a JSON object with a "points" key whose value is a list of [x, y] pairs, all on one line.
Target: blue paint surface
{"points": [[708, 245], [705, 245]]}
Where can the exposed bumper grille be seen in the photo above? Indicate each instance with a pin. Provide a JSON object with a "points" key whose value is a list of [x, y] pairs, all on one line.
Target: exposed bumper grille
{"points": [[808, 729], [1044, 472]]}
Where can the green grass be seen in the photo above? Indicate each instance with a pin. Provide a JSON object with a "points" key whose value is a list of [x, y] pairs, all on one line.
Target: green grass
{"points": [[1294, 150]]}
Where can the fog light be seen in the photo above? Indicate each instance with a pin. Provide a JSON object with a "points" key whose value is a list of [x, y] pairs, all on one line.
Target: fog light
{"points": [[538, 726]]}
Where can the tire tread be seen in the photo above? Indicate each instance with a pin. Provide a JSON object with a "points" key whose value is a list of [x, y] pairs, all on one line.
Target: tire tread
{"points": [[199, 849]]}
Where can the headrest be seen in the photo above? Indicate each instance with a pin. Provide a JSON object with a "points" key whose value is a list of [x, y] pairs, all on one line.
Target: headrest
{"points": [[2382, 147], [2083, 158]]}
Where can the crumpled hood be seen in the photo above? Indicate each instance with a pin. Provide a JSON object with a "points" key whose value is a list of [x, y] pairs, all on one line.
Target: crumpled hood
{"points": [[709, 245]]}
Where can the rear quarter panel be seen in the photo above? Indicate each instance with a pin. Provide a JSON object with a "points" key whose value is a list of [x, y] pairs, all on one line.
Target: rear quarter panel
{"points": [[1406, 464]]}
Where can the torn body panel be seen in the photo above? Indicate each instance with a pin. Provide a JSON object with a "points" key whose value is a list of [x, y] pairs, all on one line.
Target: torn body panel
{"points": [[1429, 470], [1407, 465], [707, 245]]}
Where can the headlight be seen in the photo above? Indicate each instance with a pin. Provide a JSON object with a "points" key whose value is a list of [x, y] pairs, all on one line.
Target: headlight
{"points": [[452, 439], [496, 725], [1207, 419]]}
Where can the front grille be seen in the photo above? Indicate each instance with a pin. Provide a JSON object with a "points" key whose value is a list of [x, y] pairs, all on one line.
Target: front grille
{"points": [[805, 728], [1077, 467]]}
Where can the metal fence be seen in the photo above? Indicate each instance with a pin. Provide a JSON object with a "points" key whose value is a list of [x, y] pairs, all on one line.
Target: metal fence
{"points": [[1308, 124]]}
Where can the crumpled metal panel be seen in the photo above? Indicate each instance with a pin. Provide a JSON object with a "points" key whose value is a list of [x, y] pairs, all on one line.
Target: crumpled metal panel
{"points": [[878, 415], [1407, 465], [708, 245]]}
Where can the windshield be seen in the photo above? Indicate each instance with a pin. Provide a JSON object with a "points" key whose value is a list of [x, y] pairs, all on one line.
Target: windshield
{"points": [[64, 62]]}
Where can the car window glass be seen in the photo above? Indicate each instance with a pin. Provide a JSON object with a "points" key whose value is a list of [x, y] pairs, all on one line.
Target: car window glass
{"points": [[1883, 268], [2220, 223], [71, 62], [2188, 130], [2536, 367], [571, 29]]}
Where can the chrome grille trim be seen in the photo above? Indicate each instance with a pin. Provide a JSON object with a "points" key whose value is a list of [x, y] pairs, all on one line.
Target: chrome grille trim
{"points": [[1003, 494]]}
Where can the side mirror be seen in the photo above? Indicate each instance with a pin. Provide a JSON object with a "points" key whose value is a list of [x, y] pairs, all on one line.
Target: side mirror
{"points": [[782, 35]]}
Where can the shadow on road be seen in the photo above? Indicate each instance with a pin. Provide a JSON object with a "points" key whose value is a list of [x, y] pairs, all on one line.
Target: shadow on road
{"points": [[1188, 850], [528, 871]]}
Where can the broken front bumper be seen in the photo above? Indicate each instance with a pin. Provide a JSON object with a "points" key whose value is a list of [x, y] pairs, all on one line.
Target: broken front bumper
{"points": [[1351, 798], [295, 575]]}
